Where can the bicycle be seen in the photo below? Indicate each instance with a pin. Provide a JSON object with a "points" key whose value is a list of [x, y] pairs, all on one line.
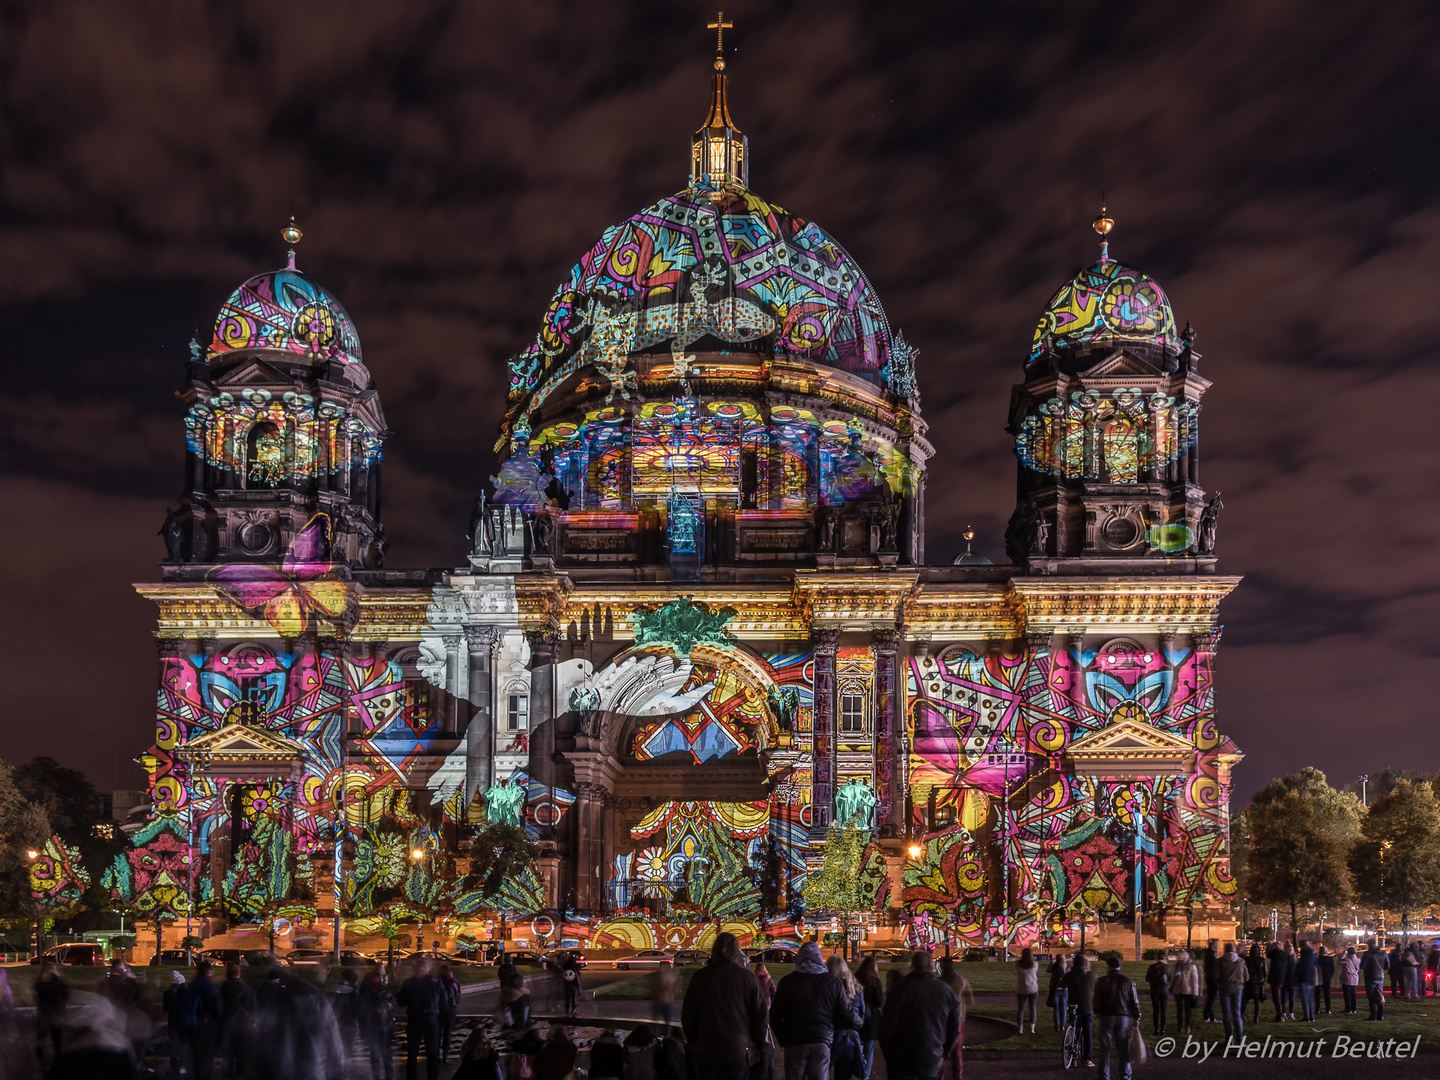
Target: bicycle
{"points": [[1070, 1045]]}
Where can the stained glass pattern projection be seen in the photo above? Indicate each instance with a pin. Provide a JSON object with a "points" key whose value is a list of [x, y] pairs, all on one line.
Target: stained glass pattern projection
{"points": [[1122, 436], [285, 310], [1105, 302]]}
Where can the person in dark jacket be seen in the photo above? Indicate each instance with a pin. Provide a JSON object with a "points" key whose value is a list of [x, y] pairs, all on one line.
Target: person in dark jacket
{"points": [[874, 990], [1325, 964], [1255, 973], [238, 1027], [809, 1005], [1211, 968], [607, 1057], [479, 1060], [723, 1014], [449, 1006], [920, 1025], [1305, 981], [556, 1059], [420, 997], [1279, 975], [1373, 966], [1395, 968], [375, 1019], [570, 980], [1117, 1008], [1231, 977], [1157, 977], [1080, 986], [1057, 998], [202, 1010], [51, 995], [1287, 991]]}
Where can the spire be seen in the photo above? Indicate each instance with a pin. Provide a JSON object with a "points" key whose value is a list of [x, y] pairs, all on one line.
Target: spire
{"points": [[292, 235], [719, 151], [1102, 225]]}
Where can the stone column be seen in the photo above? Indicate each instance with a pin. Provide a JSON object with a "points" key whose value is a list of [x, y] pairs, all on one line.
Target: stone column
{"points": [[889, 769], [483, 642], [590, 814], [824, 640], [542, 704]]}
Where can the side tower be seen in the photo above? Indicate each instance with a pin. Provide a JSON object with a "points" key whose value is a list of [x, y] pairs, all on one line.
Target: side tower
{"points": [[283, 424], [1106, 428]]}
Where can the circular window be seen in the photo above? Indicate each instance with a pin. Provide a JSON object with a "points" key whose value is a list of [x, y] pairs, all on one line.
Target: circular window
{"points": [[1121, 532], [255, 537]]}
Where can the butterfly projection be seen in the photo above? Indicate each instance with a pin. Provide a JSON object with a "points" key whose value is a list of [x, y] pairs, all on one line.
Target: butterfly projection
{"points": [[303, 590]]}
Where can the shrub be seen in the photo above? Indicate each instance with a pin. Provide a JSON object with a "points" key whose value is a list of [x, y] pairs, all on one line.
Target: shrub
{"points": [[1262, 934], [1155, 954], [1108, 953]]}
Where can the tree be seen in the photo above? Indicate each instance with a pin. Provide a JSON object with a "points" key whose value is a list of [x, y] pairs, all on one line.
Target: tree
{"points": [[845, 884], [1396, 860], [1300, 832], [24, 827], [500, 852]]}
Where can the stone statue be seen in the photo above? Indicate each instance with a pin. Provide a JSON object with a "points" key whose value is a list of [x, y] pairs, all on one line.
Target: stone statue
{"points": [[504, 802], [1022, 532], [584, 698], [784, 702], [889, 516], [382, 545], [855, 805], [1042, 535], [195, 351], [1209, 519], [475, 531], [174, 533], [827, 528], [542, 530]]}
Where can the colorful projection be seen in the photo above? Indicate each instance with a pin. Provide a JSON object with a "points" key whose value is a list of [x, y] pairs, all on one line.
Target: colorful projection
{"points": [[303, 591], [257, 441], [58, 879], [285, 310], [1105, 302], [720, 263], [1120, 437], [989, 789]]}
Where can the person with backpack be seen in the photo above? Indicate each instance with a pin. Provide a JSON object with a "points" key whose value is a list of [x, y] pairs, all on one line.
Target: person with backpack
{"points": [[1372, 969], [570, 980], [201, 1012], [1157, 977], [1117, 1010], [420, 997]]}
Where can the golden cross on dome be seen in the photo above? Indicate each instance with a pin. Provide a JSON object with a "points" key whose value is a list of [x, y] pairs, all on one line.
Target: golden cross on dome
{"points": [[719, 26]]}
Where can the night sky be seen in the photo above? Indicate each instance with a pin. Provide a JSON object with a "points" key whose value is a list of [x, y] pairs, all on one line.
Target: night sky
{"points": [[1272, 164]]}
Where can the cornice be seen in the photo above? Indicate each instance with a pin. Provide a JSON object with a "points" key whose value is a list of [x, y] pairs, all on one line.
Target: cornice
{"points": [[1144, 604]]}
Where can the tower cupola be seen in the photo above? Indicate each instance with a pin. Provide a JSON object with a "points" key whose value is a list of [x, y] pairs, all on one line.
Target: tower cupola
{"points": [[719, 151]]}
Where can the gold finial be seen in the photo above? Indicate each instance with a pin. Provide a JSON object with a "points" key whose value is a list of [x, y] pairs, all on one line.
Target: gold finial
{"points": [[720, 26], [292, 235], [969, 535], [1104, 223]]}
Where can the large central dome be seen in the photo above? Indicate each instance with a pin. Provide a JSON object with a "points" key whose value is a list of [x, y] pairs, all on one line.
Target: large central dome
{"points": [[774, 281]]}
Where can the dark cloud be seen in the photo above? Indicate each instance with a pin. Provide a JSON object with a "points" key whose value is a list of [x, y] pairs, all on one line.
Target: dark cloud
{"points": [[1270, 164]]}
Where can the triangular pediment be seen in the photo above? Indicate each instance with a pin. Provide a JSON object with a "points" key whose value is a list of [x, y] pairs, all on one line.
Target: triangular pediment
{"points": [[252, 372], [240, 740], [1119, 364], [1130, 735]]}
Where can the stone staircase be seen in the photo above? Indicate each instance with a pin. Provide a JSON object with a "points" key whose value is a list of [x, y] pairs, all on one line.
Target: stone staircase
{"points": [[1122, 937]]}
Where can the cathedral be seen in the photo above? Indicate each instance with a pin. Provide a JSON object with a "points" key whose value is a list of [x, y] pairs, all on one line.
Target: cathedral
{"points": [[696, 635]]}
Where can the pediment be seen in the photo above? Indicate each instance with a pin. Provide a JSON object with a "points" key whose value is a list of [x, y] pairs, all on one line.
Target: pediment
{"points": [[252, 372], [1132, 736], [1119, 364], [236, 741]]}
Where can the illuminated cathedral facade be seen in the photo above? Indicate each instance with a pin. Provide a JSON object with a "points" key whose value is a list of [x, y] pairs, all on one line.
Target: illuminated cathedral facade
{"points": [[697, 631]]}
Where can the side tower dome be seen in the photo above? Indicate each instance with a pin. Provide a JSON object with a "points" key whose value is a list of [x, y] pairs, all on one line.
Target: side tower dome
{"points": [[1106, 427], [283, 424], [715, 384]]}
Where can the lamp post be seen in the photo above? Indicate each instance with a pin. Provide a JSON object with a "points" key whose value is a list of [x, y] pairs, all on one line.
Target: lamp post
{"points": [[1005, 748], [32, 854]]}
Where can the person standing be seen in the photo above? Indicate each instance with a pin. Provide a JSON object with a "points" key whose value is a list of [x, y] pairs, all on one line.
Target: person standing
{"points": [[1287, 991], [1231, 977], [237, 1029], [202, 1011], [1325, 972], [449, 1007], [1185, 986], [1410, 978], [1395, 968], [420, 997], [1255, 972], [1432, 967], [723, 1014], [479, 1060], [1212, 971], [1027, 989], [952, 978], [1350, 979], [1080, 986], [809, 1005], [1117, 1008], [1157, 977], [376, 1016], [172, 1001], [1372, 970], [1305, 981], [920, 1027], [52, 994], [1279, 973], [664, 995], [869, 979], [845, 1043], [1057, 998], [570, 976], [767, 984]]}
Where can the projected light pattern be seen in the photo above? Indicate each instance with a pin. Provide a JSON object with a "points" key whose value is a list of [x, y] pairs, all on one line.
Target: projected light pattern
{"points": [[989, 732], [257, 441], [1105, 302], [1121, 437], [285, 310]]}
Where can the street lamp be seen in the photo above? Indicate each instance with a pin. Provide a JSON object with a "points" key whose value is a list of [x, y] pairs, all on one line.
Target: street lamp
{"points": [[915, 851], [32, 854]]}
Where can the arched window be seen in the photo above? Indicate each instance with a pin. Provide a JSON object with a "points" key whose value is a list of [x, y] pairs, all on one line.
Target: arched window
{"points": [[1122, 457], [517, 709], [265, 462]]}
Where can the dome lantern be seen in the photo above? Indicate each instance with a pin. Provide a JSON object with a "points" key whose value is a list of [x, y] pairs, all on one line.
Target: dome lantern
{"points": [[719, 151]]}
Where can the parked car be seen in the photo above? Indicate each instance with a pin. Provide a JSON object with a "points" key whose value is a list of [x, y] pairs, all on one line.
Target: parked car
{"points": [[355, 958], [482, 952], [221, 957], [691, 957], [645, 958], [438, 957], [559, 956], [525, 957], [261, 958], [82, 954], [773, 956], [888, 956], [307, 958], [172, 958]]}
